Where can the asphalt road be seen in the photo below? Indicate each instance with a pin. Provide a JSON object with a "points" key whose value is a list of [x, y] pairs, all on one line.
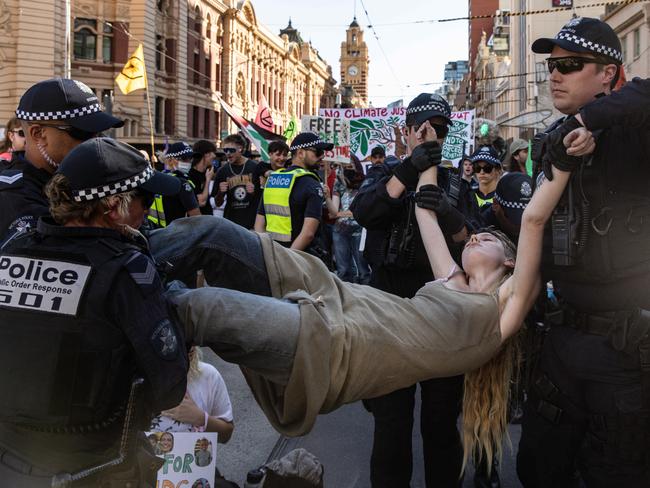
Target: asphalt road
{"points": [[341, 440]]}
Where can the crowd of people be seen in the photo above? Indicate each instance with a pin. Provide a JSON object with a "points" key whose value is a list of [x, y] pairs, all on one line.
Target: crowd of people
{"points": [[330, 284]]}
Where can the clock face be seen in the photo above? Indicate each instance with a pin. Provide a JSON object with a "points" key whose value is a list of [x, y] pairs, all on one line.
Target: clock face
{"points": [[353, 70]]}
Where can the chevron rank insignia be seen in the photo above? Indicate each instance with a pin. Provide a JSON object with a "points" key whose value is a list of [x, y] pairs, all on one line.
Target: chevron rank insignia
{"points": [[143, 271]]}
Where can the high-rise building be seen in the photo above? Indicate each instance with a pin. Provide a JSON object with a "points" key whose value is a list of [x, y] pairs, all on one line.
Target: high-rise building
{"points": [[355, 61]]}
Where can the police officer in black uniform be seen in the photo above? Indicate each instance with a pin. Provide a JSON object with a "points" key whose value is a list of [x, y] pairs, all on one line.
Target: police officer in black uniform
{"points": [[385, 207], [56, 115], [588, 414], [82, 317]]}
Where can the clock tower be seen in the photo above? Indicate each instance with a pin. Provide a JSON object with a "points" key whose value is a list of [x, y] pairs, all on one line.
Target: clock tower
{"points": [[354, 61]]}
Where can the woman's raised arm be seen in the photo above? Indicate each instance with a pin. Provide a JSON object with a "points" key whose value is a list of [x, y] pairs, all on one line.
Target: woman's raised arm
{"points": [[521, 289]]}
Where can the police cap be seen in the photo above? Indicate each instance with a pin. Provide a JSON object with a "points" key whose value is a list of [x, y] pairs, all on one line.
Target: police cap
{"points": [[425, 106], [513, 193], [70, 101], [102, 166], [486, 154], [306, 140], [179, 150], [584, 35]]}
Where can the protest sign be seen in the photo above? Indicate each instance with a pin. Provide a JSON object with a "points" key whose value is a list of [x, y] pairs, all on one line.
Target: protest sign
{"points": [[460, 138], [334, 130], [190, 458]]}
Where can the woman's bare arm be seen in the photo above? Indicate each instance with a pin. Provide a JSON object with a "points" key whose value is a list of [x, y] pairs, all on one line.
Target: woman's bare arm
{"points": [[432, 237], [521, 289]]}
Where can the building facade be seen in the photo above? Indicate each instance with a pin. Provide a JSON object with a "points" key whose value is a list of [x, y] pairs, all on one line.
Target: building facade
{"points": [[632, 24], [355, 63], [196, 51]]}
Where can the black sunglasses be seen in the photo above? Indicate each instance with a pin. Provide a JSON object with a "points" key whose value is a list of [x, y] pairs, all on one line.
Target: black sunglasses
{"points": [[487, 169], [230, 150], [318, 152], [20, 132], [570, 64], [441, 129]]}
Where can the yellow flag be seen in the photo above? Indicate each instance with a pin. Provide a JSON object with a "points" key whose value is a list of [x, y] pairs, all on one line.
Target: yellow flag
{"points": [[133, 76]]}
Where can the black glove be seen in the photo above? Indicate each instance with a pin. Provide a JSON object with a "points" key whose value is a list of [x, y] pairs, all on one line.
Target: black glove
{"points": [[433, 198], [555, 151], [426, 155], [407, 174]]}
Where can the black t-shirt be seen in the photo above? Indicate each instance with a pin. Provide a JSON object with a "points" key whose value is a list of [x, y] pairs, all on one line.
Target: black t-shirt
{"points": [[177, 206], [198, 179], [306, 200], [241, 206]]}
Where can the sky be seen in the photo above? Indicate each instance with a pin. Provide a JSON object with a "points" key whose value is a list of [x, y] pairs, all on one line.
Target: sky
{"points": [[405, 58]]}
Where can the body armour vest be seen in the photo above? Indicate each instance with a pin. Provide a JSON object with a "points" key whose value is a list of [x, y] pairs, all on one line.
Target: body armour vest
{"points": [[63, 362]]}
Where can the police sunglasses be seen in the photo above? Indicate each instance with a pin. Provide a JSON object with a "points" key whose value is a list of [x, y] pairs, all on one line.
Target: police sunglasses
{"points": [[318, 152], [78, 134], [487, 169], [570, 64], [441, 129]]}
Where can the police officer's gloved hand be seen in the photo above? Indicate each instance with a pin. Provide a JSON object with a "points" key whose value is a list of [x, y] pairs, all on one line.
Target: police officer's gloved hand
{"points": [[406, 173], [433, 198], [555, 151], [426, 155]]}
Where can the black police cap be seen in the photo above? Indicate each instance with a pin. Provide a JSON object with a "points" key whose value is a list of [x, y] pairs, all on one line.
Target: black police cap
{"points": [[179, 150], [425, 106], [306, 140], [513, 193], [486, 154], [102, 166], [584, 35], [68, 101]]}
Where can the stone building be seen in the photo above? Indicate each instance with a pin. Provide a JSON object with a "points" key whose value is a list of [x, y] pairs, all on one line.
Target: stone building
{"points": [[354, 66], [632, 24], [195, 51]]}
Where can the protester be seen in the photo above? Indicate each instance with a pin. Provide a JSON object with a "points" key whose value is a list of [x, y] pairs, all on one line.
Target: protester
{"points": [[518, 155], [350, 263], [467, 170], [377, 155], [589, 407], [12, 150], [278, 154], [235, 181], [65, 409], [202, 173], [291, 207], [167, 208], [48, 139]]}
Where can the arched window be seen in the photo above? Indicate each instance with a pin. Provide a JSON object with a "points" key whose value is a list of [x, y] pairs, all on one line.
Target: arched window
{"points": [[198, 21], [85, 39], [208, 29]]}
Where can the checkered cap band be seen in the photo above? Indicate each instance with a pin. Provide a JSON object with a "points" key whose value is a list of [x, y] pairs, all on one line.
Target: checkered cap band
{"points": [[505, 203], [308, 144], [485, 156], [592, 46], [430, 107], [187, 151], [114, 188], [59, 114]]}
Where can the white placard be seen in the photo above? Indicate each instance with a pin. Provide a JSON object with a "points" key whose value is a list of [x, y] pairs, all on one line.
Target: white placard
{"points": [[190, 458], [42, 285]]}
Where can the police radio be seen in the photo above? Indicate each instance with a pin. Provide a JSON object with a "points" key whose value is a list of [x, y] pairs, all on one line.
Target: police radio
{"points": [[564, 226]]}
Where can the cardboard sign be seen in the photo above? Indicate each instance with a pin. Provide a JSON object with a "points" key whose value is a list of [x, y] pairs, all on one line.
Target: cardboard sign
{"points": [[460, 138], [190, 458], [334, 130]]}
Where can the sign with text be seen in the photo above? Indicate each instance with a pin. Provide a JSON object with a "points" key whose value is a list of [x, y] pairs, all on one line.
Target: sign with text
{"points": [[460, 138], [331, 129], [190, 458]]}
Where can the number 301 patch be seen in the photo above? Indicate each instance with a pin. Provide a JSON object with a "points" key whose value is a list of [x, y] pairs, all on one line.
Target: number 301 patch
{"points": [[42, 285]]}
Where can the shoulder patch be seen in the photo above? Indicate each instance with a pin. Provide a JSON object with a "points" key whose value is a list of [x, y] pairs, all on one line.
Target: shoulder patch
{"points": [[143, 271], [19, 227], [164, 340], [187, 187]]}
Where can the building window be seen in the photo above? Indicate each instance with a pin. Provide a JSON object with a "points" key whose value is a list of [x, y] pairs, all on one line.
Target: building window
{"points": [[197, 67], [160, 53], [195, 121], [107, 43], [197, 20], [85, 39], [159, 115], [624, 48], [637, 43]]}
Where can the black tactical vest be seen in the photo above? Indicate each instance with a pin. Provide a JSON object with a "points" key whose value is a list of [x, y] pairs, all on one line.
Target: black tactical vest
{"points": [[63, 363]]}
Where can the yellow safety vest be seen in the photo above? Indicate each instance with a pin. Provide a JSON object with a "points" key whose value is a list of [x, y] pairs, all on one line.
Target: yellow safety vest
{"points": [[483, 201], [157, 210], [276, 202]]}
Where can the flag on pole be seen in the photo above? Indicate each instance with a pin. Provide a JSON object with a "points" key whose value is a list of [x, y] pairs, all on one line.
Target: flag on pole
{"points": [[248, 130], [133, 75], [292, 129], [263, 117]]}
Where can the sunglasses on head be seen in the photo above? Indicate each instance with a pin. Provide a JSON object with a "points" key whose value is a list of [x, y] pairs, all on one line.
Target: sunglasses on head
{"points": [[487, 169], [230, 150], [20, 132], [570, 64]]}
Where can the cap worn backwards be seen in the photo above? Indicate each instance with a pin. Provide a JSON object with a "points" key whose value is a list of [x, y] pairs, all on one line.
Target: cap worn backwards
{"points": [[584, 35], [102, 166], [64, 99], [486, 154], [306, 140], [425, 106]]}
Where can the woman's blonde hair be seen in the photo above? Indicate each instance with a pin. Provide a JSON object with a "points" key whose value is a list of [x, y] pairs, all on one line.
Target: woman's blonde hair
{"points": [[64, 208], [195, 357], [487, 391]]}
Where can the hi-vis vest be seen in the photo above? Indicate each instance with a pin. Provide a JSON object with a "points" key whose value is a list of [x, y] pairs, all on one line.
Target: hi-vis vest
{"points": [[157, 209], [483, 201], [276, 202]]}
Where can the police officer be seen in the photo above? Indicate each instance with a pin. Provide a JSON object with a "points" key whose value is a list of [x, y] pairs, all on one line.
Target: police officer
{"points": [[292, 203], [589, 407], [81, 316], [165, 209], [56, 115], [385, 207]]}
